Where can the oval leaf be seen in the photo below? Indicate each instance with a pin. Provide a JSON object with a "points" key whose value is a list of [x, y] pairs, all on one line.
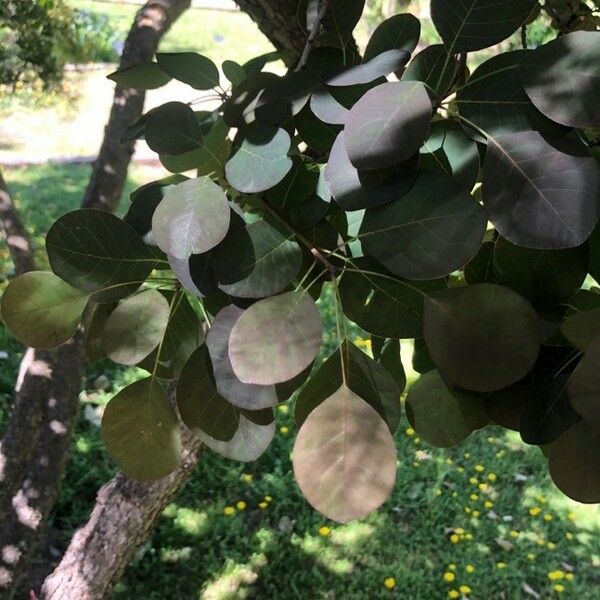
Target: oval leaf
{"points": [[344, 458], [194, 69], [483, 337], [41, 310], [379, 66], [438, 215], [584, 385], [400, 31], [388, 124], [141, 432], [172, 129], [192, 218], [275, 339], [143, 76]]}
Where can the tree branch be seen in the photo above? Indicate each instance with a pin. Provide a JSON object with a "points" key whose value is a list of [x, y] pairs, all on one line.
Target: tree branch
{"points": [[312, 36]]}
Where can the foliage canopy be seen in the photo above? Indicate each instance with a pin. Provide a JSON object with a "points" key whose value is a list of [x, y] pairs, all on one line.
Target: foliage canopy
{"points": [[457, 209]]}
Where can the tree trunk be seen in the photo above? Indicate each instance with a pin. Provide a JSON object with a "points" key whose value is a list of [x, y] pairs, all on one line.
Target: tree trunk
{"points": [[123, 517], [35, 445], [126, 511]]}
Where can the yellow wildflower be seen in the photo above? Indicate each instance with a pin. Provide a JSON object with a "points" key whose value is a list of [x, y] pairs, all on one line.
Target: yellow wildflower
{"points": [[535, 511], [262, 505], [229, 510], [474, 497], [476, 513], [531, 556], [284, 429], [438, 492], [268, 498], [483, 487], [390, 583], [501, 565], [449, 576], [453, 594], [548, 517], [449, 461], [551, 545], [451, 567], [454, 538], [410, 431], [479, 468], [464, 589], [569, 535], [468, 509], [569, 576], [468, 536], [514, 534], [469, 568], [473, 480], [488, 504], [284, 409], [559, 588], [460, 469], [460, 531], [467, 455], [324, 531], [554, 575], [247, 477], [571, 516], [241, 505], [492, 476]]}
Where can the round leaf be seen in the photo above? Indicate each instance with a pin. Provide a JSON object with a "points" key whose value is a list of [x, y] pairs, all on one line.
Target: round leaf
{"points": [[275, 339], [141, 432], [98, 253], [143, 76], [400, 31], [584, 385], [344, 458], [135, 327], [192, 218], [574, 465], [581, 328], [563, 79], [541, 192], [42, 310], [441, 417], [436, 228], [483, 337], [478, 24], [202, 408], [261, 161], [388, 124], [434, 68], [172, 129], [379, 66]]}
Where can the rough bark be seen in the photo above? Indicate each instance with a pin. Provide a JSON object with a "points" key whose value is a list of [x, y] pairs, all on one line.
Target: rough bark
{"points": [[35, 446], [17, 236], [124, 516], [110, 168]]}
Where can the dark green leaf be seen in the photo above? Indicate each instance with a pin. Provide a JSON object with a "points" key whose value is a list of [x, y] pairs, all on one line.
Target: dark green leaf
{"points": [[365, 377], [341, 17], [478, 24], [581, 328], [317, 135], [379, 66], [191, 68], [541, 192], [483, 337], [202, 408], [344, 458], [94, 318], [143, 76], [234, 72], [433, 67], [391, 360], [400, 31], [172, 129], [42, 310], [141, 432], [98, 253], [480, 269], [382, 304], [295, 188], [275, 339], [388, 125], [433, 230], [584, 385]]}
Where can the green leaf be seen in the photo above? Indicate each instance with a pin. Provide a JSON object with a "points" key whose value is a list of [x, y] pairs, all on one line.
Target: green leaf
{"points": [[183, 335], [354, 190], [317, 135], [391, 360], [94, 319], [295, 188], [494, 98], [563, 79], [244, 395], [202, 408], [256, 262], [382, 304], [433, 230], [434, 68], [584, 384], [595, 254], [441, 417], [275, 339], [192, 218], [480, 269], [233, 71], [388, 125], [542, 276], [365, 377], [41, 310], [344, 458], [504, 407], [172, 129], [341, 18], [573, 463], [261, 161], [141, 432], [143, 76], [136, 327], [449, 151], [547, 182], [478, 24], [482, 337], [194, 69], [249, 441], [99, 254], [400, 31]]}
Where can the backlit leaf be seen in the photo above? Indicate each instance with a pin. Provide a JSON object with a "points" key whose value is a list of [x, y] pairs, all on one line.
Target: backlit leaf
{"points": [[344, 458], [400, 31], [143, 76], [379, 66], [194, 69], [434, 68], [584, 385], [172, 129]]}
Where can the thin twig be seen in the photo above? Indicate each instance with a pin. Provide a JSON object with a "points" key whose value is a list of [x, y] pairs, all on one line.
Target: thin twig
{"points": [[524, 37], [312, 36]]}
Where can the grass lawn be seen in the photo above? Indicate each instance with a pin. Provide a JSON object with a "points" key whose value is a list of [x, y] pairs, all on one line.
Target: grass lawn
{"points": [[483, 515]]}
